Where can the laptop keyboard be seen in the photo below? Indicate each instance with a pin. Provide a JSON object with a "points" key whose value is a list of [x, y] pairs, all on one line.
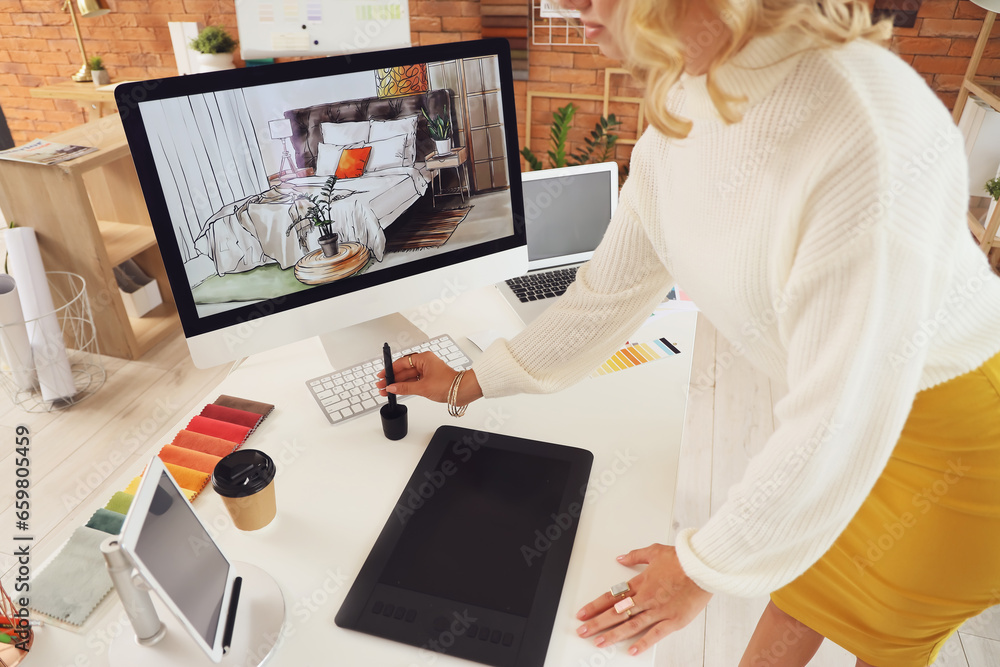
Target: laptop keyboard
{"points": [[542, 285], [351, 392]]}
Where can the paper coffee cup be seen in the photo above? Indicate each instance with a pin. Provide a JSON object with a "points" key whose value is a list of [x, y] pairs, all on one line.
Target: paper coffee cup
{"points": [[245, 482]]}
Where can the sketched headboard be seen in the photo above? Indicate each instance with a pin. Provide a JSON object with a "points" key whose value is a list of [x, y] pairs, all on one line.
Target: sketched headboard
{"points": [[307, 134]]}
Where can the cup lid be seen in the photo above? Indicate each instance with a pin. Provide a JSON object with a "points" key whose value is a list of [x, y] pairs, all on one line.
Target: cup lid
{"points": [[242, 473]]}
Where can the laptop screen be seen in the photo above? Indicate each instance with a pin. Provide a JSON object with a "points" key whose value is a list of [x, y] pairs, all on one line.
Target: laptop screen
{"points": [[567, 214]]}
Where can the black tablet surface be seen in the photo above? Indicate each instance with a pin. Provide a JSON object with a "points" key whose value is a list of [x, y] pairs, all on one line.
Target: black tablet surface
{"points": [[471, 562]]}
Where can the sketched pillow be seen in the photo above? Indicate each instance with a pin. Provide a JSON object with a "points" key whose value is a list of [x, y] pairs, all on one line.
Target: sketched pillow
{"points": [[387, 153], [406, 126], [352, 162], [345, 133], [328, 158]]}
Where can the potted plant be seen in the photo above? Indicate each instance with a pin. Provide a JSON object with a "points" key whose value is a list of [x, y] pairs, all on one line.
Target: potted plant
{"points": [[439, 128], [993, 187], [97, 71], [318, 214], [215, 49]]}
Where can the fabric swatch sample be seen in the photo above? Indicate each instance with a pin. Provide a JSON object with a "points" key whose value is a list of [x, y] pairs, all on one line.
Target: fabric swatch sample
{"points": [[188, 479], [106, 521], [133, 486], [75, 581], [263, 409], [189, 458], [232, 415], [120, 502], [219, 429], [200, 442]]}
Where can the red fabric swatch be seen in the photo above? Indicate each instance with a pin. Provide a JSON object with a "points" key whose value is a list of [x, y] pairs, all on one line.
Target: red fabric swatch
{"points": [[219, 429], [232, 415], [189, 458], [200, 442]]}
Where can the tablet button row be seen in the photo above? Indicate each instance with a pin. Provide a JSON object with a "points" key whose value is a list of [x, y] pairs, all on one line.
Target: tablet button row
{"points": [[398, 613], [494, 636]]}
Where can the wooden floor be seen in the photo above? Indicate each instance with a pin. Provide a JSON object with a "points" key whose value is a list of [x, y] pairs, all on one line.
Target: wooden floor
{"points": [[76, 451]]}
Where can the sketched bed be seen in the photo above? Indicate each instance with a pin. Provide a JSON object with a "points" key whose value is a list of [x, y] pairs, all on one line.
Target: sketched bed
{"points": [[256, 230]]}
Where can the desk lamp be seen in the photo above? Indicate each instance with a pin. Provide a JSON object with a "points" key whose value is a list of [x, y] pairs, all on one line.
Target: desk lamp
{"points": [[988, 5], [282, 129], [87, 9]]}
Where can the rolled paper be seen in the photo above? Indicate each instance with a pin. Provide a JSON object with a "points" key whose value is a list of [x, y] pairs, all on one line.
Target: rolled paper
{"points": [[219, 429], [14, 342], [55, 377], [200, 442], [189, 458]]}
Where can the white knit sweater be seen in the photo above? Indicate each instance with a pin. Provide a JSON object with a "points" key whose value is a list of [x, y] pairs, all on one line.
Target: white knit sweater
{"points": [[825, 237]]}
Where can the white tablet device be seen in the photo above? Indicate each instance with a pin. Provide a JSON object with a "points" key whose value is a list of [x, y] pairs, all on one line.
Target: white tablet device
{"points": [[177, 557]]}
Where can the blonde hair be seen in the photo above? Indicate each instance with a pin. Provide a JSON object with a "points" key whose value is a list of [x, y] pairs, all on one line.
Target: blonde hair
{"points": [[654, 51]]}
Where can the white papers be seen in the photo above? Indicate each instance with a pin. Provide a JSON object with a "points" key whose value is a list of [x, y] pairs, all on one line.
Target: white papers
{"points": [[14, 336], [44, 333], [40, 151]]}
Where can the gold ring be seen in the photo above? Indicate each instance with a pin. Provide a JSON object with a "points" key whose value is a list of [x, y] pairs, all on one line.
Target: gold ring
{"points": [[628, 613], [624, 605], [620, 590], [409, 358]]}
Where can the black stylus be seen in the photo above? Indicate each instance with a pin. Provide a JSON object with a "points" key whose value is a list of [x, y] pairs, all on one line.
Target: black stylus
{"points": [[389, 375]]}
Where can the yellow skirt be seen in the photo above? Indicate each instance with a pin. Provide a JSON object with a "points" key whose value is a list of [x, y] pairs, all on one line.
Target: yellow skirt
{"points": [[922, 554]]}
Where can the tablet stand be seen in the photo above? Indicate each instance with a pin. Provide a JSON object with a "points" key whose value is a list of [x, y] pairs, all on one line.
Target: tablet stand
{"points": [[161, 640]]}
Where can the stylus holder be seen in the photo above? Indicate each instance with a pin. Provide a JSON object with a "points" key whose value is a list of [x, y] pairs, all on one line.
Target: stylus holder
{"points": [[134, 594]]}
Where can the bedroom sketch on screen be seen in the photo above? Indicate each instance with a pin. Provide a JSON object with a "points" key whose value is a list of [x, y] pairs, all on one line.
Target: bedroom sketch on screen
{"points": [[253, 177]]}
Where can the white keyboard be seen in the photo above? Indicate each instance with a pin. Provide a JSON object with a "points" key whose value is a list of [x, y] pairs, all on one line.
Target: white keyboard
{"points": [[351, 392]]}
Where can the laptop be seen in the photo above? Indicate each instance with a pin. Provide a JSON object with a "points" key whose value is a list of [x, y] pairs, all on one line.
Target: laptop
{"points": [[566, 212]]}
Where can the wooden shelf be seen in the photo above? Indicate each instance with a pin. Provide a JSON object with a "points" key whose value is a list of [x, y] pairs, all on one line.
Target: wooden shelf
{"points": [[90, 216], [124, 241], [978, 231], [154, 326]]}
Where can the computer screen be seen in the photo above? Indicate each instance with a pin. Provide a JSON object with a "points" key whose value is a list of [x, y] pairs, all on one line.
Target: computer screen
{"points": [[567, 211], [405, 162]]}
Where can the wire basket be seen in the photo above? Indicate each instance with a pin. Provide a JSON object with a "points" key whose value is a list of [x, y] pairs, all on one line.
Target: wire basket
{"points": [[76, 322]]}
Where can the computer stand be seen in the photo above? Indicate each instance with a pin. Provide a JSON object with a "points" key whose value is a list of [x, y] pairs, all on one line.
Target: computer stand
{"points": [[360, 342], [161, 641]]}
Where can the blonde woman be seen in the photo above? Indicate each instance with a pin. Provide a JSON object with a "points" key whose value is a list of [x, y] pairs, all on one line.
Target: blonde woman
{"points": [[808, 191]]}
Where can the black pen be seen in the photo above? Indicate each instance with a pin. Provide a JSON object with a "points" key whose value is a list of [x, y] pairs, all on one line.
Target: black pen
{"points": [[389, 376]]}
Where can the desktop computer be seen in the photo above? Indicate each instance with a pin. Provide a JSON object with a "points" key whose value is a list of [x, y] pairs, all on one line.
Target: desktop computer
{"points": [[299, 199]]}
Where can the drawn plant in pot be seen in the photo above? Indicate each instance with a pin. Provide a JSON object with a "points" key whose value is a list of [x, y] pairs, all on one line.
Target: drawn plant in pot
{"points": [[318, 215], [439, 128]]}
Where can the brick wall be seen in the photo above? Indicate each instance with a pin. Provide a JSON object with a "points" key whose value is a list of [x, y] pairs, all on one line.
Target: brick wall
{"points": [[940, 43], [38, 47]]}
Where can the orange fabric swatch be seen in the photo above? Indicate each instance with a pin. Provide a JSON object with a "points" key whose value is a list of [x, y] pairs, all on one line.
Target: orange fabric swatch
{"points": [[189, 458], [187, 478], [200, 442], [353, 161], [133, 487]]}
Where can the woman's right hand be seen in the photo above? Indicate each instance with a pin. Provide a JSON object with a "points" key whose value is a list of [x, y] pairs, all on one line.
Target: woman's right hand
{"points": [[425, 374]]}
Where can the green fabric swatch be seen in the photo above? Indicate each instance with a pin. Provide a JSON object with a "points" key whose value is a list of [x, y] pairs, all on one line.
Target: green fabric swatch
{"points": [[107, 521], [120, 502]]}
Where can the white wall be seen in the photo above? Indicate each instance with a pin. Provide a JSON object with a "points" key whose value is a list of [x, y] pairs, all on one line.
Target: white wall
{"points": [[270, 102]]}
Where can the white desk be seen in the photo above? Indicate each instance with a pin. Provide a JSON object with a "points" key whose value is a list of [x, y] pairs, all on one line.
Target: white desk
{"points": [[336, 487]]}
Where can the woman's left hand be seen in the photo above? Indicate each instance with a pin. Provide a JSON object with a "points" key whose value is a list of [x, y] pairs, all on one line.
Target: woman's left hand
{"points": [[665, 601]]}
